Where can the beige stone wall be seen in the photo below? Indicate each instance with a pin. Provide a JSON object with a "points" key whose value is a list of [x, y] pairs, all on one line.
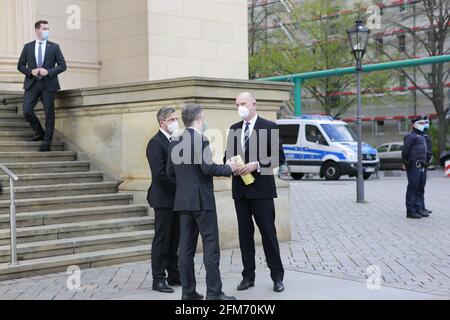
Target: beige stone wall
{"points": [[123, 41], [79, 46], [113, 125], [130, 41], [198, 38]]}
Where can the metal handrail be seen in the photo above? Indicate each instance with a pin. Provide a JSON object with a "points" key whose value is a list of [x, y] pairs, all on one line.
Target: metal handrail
{"points": [[12, 178]]}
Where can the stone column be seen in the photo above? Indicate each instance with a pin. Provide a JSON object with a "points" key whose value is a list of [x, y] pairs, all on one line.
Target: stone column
{"points": [[17, 18]]}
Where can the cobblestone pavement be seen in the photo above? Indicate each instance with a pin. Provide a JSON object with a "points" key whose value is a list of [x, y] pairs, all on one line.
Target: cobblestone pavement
{"points": [[332, 236]]}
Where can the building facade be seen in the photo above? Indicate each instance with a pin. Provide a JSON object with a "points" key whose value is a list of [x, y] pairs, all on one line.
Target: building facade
{"points": [[111, 41]]}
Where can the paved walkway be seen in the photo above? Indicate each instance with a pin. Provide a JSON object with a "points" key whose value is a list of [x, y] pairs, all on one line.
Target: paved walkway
{"points": [[334, 243]]}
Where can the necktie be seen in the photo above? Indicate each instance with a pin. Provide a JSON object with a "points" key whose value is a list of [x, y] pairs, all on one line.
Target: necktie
{"points": [[40, 62], [246, 141]]}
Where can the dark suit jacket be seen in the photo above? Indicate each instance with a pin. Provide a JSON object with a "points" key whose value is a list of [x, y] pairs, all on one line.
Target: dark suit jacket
{"points": [[264, 185], [53, 62], [161, 193], [194, 173]]}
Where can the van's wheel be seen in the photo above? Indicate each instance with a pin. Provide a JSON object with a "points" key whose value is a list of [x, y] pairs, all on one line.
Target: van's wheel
{"points": [[366, 175], [297, 175], [331, 171]]}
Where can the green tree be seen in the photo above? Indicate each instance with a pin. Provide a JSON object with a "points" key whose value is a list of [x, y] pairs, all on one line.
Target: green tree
{"points": [[319, 42]]}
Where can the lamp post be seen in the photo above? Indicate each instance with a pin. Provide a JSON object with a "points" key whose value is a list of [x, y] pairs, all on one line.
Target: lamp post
{"points": [[358, 37]]}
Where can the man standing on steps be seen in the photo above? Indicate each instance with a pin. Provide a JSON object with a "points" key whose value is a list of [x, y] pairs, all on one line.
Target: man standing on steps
{"points": [[41, 61], [161, 195]]}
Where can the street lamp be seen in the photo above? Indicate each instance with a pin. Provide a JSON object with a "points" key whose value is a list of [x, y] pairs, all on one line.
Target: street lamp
{"points": [[358, 36]]}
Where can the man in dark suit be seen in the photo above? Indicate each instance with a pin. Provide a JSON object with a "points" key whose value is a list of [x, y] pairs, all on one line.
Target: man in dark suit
{"points": [[41, 61], [161, 196], [190, 162], [256, 140]]}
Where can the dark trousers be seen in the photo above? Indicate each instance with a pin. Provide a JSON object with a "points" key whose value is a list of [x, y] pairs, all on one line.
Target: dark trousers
{"points": [[191, 224], [416, 182], [30, 98], [165, 245], [423, 182], [263, 211]]}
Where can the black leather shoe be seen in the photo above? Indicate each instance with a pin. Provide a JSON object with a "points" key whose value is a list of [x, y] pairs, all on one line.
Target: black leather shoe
{"points": [[245, 284], [413, 215], [223, 296], [278, 286], [194, 296], [424, 213], [174, 283], [162, 287], [37, 137], [427, 211], [44, 148]]}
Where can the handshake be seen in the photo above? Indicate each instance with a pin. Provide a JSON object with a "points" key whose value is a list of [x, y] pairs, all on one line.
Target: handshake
{"points": [[39, 72], [244, 170]]}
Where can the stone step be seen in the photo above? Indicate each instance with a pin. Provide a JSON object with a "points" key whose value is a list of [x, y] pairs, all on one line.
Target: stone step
{"points": [[33, 156], [75, 189], [56, 203], [41, 218], [21, 127], [15, 136], [82, 260], [43, 249], [8, 109], [11, 146], [77, 229], [48, 167], [35, 179], [12, 118]]}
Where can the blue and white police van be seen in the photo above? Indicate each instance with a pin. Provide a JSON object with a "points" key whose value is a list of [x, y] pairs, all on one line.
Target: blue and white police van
{"points": [[324, 146]]}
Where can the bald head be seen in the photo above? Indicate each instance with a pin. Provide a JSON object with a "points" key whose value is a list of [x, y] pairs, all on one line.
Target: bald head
{"points": [[247, 100]]}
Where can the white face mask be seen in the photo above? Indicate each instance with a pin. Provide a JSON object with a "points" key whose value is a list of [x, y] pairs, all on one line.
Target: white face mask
{"points": [[243, 112], [419, 127], [172, 127]]}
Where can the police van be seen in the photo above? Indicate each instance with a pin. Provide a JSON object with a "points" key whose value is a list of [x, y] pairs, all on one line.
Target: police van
{"points": [[324, 146]]}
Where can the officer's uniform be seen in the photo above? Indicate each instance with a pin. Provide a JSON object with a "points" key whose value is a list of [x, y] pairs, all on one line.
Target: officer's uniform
{"points": [[424, 179], [414, 156]]}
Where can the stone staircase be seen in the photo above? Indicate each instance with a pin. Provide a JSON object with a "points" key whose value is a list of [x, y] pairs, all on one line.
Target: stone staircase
{"points": [[66, 214]]}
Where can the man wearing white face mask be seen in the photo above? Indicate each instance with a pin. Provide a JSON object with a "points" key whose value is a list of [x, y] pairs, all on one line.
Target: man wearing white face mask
{"points": [[255, 140], [41, 61], [414, 156], [161, 195]]}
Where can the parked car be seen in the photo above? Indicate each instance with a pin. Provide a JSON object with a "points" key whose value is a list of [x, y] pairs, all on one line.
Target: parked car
{"points": [[324, 146], [390, 156]]}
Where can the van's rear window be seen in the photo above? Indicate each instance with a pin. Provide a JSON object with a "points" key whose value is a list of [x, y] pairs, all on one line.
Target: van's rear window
{"points": [[289, 133]]}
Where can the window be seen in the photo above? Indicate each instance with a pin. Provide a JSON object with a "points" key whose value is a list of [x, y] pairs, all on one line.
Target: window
{"points": [[379, 127], [289, 133], [314, 135], [430, 36], [401, 81], [339, 132], [396, 147], [404, 126], [383, 148], [402, 43], [379, 46]]}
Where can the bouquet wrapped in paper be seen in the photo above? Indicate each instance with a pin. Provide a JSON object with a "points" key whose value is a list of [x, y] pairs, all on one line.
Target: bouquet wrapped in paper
{"points": [[247, 178]]}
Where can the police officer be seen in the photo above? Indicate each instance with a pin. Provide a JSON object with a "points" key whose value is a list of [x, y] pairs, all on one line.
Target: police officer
{"points": [[414, 156], [429, 154]]}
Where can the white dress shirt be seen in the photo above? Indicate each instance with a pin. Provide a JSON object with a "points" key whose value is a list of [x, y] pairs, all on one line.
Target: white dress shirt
{"points": [[36, 50], [250, 128], [168, 136]]}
